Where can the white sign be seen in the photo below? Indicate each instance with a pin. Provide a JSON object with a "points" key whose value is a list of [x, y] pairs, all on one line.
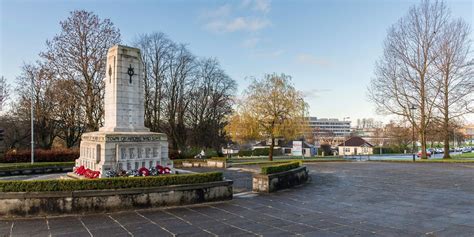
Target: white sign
{"points": [[297, 148]]}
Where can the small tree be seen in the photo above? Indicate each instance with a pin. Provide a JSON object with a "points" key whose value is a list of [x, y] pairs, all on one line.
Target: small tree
{"points": [[271, 108]]}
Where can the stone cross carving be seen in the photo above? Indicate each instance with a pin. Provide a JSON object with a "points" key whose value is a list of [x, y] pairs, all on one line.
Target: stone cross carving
{"points": [[131, 72]]}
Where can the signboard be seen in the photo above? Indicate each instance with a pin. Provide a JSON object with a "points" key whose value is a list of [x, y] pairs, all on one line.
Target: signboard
{"points": [[297, 148]]}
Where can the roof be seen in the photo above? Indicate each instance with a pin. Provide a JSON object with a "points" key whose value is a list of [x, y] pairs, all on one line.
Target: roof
{"points": [[355, 141]]}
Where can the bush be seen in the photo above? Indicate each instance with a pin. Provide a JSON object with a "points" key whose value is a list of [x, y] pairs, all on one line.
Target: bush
{"points": [[280, 168], [326, 148], [107, 183], [389, 150], [190, 153], [36, 165], [54, 155], [260, 152]]}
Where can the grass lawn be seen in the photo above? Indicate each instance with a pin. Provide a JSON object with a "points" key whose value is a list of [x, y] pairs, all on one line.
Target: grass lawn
{"points": [[464, 155]]}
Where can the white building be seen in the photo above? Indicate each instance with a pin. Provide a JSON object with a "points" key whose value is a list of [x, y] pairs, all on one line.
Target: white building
{"points": [[355, 146]]}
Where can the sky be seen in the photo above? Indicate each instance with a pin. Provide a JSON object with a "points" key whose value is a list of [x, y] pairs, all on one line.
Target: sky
{"points": [[328, 47]]}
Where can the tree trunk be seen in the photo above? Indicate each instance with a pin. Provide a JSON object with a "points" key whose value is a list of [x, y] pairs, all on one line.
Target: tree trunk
{"points": [[270, 152]]}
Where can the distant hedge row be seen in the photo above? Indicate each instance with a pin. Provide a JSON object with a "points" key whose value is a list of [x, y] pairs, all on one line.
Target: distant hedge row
{"points": [[54, 155], [260, 152], [280, 167], [36, 165], [108, 183]]}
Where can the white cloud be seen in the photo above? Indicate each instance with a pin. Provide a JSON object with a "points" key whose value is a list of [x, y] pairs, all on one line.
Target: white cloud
{"points": [[309, 59], [262, 5], [237, 24], [257, 5]]}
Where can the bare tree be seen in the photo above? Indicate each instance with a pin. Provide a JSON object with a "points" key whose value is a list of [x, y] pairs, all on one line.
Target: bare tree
{"points": [[405, 75], [3, 92], [78, 53], [455, 67], [44, 124], [156, 53], [211, 103]]}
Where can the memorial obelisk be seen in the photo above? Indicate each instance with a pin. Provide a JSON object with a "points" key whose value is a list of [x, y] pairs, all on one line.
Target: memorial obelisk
{"points": [[123, 143]]}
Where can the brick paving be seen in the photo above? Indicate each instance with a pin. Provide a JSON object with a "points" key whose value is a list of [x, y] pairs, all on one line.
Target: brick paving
{"points": [[343, 199]]}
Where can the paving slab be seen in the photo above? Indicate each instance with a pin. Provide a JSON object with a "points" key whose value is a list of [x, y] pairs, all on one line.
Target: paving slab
{"points": [[342, 199]]}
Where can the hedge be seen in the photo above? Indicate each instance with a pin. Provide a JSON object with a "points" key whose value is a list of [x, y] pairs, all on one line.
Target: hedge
{"points": [[108, 183], [259, 152], [280, 167], [35, 165], [54, 155]]}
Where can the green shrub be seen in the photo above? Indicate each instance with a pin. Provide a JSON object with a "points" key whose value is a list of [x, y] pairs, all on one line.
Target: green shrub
{"points": [[107, 183], [280, 167], [53, 155], [36, 165], [260, 152]]}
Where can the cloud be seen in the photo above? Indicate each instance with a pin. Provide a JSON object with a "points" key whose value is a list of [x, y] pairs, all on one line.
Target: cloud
{"points": [[309, 59], [314, 93], [249, 17], [237, 24], [257, 5]]}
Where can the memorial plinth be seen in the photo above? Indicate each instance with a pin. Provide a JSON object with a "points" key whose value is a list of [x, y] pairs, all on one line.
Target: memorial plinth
{"points": [[123, 143]]}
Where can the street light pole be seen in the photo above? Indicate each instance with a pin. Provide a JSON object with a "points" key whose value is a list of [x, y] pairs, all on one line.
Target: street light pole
{"points": [[304, 130], [344, 143], [32, 121], [412, 109]]}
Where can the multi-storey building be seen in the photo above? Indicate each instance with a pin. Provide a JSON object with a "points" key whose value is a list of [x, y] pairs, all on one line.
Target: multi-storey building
{"points": [[329, 130]]}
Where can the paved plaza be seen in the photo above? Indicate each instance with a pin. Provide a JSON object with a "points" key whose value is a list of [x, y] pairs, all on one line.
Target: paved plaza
{"points": [[342, 199]]}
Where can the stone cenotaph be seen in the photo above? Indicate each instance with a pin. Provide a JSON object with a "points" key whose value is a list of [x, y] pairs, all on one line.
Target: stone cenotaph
{"points": [[123, 143]]}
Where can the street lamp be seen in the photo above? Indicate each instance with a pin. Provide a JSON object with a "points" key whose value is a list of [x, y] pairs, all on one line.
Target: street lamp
{"points": [[344, 142], [32, 120], [303, 130], [412, 110]]}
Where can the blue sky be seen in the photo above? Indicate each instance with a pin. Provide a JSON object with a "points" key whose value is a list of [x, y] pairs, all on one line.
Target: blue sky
{"points": [[328, 47]]}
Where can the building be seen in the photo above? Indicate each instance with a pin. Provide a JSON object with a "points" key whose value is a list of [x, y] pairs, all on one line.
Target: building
{"points": [[468, 132], [329, 130], [355, 146]]}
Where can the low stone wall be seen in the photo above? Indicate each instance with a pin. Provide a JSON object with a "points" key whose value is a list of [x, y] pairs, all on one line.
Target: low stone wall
{"points": [[39, 170], [52, 203], [273, 182], [200, 163]]}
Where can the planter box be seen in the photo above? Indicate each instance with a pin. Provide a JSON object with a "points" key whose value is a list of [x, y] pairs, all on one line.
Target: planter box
{"points": [[86, 201], [273, 182], [200, 163]]}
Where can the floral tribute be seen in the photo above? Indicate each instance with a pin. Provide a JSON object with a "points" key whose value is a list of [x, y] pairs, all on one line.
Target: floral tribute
{"points": [[88, 173], [153, 171]]}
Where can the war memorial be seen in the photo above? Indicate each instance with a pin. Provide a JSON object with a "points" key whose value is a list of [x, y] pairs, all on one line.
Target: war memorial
{"points": [[124, 143]]}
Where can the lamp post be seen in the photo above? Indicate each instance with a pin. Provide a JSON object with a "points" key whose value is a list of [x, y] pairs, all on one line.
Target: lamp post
{"points": [[302, 138], [344, 143], [32, 120], [412, 110]]}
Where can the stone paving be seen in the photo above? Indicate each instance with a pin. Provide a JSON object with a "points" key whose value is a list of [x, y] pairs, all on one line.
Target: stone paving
{"points": [[343, 199]]}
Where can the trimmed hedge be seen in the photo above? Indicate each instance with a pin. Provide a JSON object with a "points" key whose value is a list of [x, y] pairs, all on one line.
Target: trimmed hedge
{"points": [[108, 183], [54, 155], [260, 152], [35, 165], [280, 167]]}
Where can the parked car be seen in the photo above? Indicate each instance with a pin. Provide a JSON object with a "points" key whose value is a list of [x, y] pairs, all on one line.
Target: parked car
{"points": [[428, 154], [466, 150]]}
